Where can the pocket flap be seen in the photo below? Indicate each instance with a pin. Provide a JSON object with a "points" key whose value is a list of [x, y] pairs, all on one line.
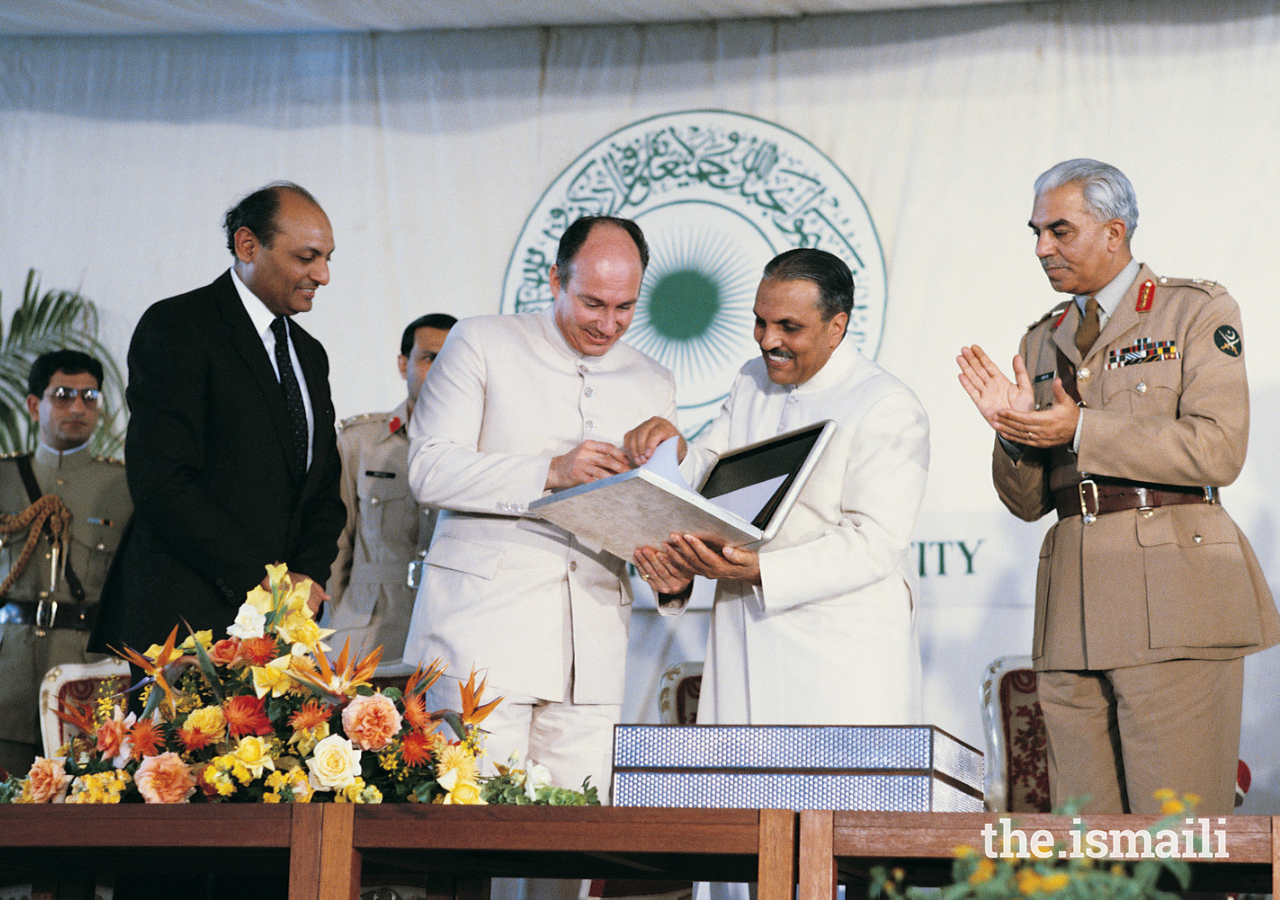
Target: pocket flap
{"points": [[461, 555]]}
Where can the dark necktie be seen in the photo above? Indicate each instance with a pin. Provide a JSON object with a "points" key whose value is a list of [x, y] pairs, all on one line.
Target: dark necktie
{"points": [[1087, 330], [292, 397]]}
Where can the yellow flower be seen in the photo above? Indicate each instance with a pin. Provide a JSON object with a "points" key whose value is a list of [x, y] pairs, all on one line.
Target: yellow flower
{"points": [[1172, 807], [299, 628], [1117, 869], [454, 758], [255, 754], [273, 678], [1165, 794], [276, 574], [1029, 881], [464, 793], [270, 798], [260, 599], [1055, 882], [1191, 799], [986, 868], [964, 851], [208, 720], [204, 637], [305, 741]]}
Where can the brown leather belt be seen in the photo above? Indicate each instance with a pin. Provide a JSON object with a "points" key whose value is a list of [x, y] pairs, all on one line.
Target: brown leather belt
{"points": [[47, 614], [1093, 497]]}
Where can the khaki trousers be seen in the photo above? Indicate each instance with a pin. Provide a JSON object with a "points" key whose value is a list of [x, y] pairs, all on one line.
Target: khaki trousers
{"points": [[1120, 735]]}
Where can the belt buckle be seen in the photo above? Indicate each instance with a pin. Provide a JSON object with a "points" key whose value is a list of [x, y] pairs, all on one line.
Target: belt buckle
{"points": [[41, 626], [1089, 517], [1210, 494]]}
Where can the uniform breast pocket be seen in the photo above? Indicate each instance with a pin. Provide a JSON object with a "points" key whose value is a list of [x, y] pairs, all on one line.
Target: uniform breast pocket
{"points": [[383, 501], [1144, 389]]}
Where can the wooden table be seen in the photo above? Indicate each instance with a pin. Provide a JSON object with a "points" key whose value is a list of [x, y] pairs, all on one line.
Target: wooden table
{"points": [[843, 846], [474, 843], [60, 847], [326, 846]]}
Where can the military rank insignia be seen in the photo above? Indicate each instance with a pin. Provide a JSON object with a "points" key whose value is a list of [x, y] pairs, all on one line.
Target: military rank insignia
{"points": [[1144, 351], [1228, 340]]}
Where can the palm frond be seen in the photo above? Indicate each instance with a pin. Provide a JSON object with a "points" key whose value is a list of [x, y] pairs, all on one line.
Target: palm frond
{"points": [[54, 320]]}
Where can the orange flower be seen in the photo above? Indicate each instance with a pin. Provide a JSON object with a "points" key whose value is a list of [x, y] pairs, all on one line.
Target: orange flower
{"points": [[165, 779], [258, 651], [146, 738], [194, 739], [46, 781], [415, 711], [417, 747], [111, 735], [472, 712], [313, 714], [246, 715], [225, 652], [371, 721]]}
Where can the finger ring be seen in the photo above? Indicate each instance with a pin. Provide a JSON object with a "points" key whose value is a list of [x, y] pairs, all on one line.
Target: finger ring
{"points": [[644, 576]]}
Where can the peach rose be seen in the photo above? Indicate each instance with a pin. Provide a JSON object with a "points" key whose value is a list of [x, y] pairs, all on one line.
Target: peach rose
{"points": [[371, 721], [333, 764], [165, 779], [225, 652], [46, 781]]}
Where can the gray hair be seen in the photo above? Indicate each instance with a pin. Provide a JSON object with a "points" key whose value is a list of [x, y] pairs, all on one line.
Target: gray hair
{"points": [[1107, 192]]}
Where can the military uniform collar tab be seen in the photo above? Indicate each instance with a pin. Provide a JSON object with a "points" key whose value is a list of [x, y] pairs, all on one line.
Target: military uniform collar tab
{"points": [[48, 457]]}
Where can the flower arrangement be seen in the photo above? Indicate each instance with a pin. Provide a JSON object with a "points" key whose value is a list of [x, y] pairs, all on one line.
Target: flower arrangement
{"points": [[264, 715], [1055, 872]]}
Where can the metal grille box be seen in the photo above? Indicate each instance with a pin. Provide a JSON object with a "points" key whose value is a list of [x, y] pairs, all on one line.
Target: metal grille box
{"points": [[891, 768]]}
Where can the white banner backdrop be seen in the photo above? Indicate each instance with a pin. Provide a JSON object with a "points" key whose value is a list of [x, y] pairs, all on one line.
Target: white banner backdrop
{"points": [[430, 150]]}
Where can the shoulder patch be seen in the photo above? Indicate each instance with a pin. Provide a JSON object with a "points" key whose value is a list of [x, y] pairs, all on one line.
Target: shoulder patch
{"points": [[1227, 339], [14, 454], [113, 460], [1056, 313]]}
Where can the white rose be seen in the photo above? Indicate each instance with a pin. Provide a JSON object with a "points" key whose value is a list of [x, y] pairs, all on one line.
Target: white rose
{"points": [[333, 764], [249, 623], [538, 776]]}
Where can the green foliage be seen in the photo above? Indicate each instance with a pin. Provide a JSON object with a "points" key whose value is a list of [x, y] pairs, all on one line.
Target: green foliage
{"points": [[54, 320], [512, 786]]}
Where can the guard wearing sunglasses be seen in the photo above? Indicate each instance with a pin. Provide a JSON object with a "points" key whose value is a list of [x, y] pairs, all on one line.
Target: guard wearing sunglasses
{"points": [[62, 513]]}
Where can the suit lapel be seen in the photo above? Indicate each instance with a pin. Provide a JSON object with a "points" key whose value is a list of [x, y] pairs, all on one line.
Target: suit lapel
{"points": [[248, 345]]}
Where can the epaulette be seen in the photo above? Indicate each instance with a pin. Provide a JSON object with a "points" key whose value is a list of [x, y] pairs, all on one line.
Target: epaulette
{"points": [[1056, 311], [15, 454], [1204, 284], [114, 460], [356, 420]]}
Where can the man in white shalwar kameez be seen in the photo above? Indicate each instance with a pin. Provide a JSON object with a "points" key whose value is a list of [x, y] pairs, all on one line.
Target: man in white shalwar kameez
{"points": [[817, 627]]}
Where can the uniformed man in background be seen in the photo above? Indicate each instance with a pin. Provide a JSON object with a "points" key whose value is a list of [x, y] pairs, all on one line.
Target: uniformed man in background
{"points": [[381, 548], [77, 505]]}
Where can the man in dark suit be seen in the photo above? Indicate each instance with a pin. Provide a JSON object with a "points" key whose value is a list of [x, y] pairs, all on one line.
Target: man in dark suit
{"points": [[233, 463]]}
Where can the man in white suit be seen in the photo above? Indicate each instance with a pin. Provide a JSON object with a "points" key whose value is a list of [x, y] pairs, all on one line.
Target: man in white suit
{"points": [[828, 601], [515, 407]]}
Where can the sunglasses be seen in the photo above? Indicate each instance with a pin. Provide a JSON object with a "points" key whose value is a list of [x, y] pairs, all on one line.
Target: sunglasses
{"points": [[65, 396]]}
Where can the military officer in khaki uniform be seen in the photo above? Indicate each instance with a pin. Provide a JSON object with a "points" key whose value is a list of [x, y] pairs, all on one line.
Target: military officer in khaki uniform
{"points": [[1128, 411], [47, 609], [380, 551]]}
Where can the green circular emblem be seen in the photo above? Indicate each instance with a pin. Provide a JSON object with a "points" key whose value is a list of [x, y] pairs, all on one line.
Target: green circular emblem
{"points": [[718, 195]]}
